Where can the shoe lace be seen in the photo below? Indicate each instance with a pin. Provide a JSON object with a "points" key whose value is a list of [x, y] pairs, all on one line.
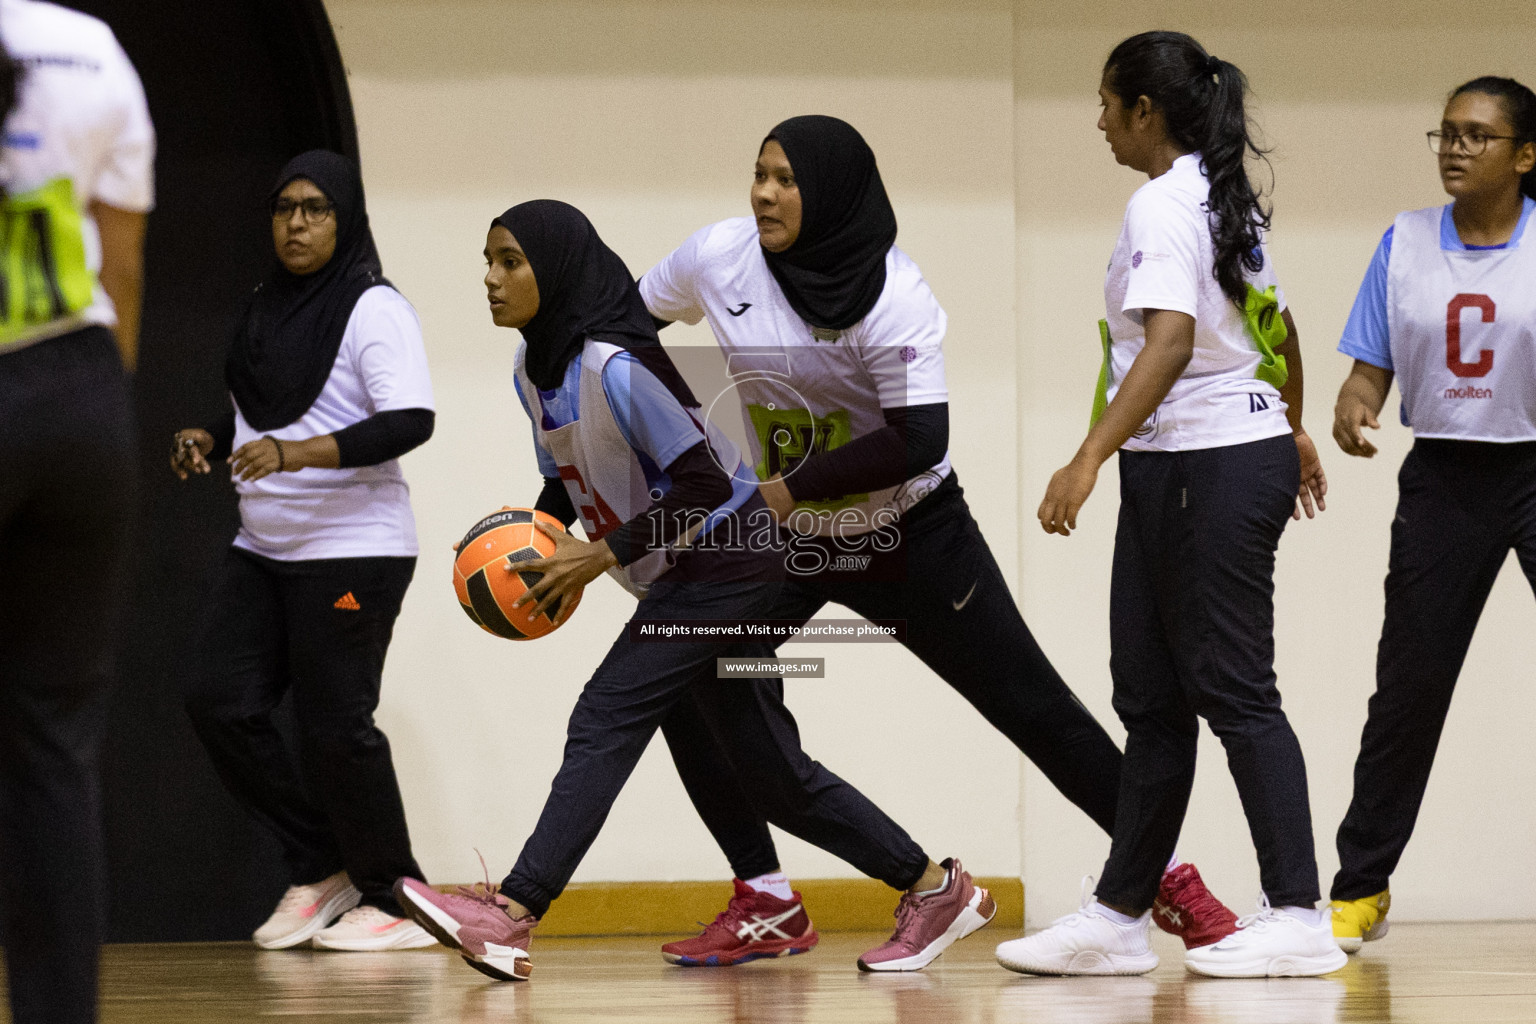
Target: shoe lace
{"points": [[1183, 891], [907, 915], [485, 892], [734, 911], [297, 898], [1084, 898], [1260, 917]]}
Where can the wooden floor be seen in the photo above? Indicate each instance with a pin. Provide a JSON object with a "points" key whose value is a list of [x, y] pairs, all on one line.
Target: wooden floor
{"points": [[1421, 973]]}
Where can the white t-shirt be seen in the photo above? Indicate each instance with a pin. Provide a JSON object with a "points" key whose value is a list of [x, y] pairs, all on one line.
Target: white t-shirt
{"points": [[801, 394], [80, 132], [1163, 260], [360, 512]]}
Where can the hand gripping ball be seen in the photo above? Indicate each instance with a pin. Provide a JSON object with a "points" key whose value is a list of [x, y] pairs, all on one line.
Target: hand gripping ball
{"points": [[486, 589]]}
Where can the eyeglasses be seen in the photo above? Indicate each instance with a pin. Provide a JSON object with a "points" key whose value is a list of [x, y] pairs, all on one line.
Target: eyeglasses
{"points": [[315, 210], [1473, 143]]}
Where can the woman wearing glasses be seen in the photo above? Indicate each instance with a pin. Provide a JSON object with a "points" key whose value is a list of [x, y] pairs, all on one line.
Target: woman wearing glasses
{"points": [[328, 378], [1447, 308]]}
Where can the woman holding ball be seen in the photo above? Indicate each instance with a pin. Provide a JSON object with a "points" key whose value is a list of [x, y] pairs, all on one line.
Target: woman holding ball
{"points": [[328, 376], [1201, 397], [1447, 308], [663, 500]]}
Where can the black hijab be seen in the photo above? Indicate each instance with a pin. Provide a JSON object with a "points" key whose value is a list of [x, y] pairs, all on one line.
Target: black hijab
{"points": [[287, 339], [834, 272], [585, 291]]}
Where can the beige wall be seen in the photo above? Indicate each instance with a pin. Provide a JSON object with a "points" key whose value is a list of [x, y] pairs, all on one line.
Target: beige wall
{"points": [[647, 115], [1343, 93]]}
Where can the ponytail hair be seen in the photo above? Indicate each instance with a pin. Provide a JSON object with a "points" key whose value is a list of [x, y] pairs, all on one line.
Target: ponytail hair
{"points": [[1201, 98], [1519, 106]]}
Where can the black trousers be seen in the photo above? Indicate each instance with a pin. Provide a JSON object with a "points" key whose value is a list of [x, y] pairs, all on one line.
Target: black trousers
{"points": [[68, 469], [1462, 505], [1192, 636], [962, 623], [280, 626], [637, 686]]}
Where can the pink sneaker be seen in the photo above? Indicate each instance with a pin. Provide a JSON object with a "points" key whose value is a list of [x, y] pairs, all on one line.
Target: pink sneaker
{"points": [[928, 925], [1186, 908], [474, 922], [754, 926]]}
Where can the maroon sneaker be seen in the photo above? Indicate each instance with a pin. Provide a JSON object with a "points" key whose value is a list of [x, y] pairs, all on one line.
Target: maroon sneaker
{"points": [[1186, 908], [474, 922], [754, 926], [928, 925]]}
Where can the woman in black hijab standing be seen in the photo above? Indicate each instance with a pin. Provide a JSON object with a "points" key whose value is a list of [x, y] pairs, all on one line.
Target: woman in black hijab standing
{"points": [[850, 436], [328, 377]]}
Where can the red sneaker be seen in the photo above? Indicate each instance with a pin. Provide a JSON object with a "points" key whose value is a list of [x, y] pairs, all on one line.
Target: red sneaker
{"points": [[1186, 908], [754, 926]]}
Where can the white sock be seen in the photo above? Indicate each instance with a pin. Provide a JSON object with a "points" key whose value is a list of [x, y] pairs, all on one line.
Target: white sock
{"points": [[1114, 915], [775, 883], [1173, 862], [940, 888], [1311, 916]]}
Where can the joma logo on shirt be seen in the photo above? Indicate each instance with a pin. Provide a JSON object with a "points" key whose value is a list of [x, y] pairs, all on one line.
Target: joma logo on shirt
{"points": [[1469, 392]]}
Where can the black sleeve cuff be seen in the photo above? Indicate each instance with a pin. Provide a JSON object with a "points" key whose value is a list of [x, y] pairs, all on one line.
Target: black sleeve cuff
{"points": [[223, 433], [914, 439], [555, 500], [383, 436], [699, 486]]}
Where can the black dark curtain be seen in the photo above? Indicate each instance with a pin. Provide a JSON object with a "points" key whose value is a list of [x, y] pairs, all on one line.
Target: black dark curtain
{"points": [[235, 88]]}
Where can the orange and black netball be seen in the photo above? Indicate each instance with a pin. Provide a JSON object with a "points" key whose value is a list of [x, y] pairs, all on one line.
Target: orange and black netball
{"points": [[485, 586]]}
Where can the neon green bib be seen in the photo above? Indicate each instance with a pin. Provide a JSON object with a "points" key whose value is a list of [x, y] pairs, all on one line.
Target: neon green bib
{"points": [[1265, 325], [43, 275], [1261, 315], [787, 437]]}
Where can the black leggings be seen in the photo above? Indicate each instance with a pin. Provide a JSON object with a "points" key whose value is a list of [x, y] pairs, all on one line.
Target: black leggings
{"points": [[287, 625], [640, 684], [962, 623], [1462, 506], [67, 483], [1192, 636]]}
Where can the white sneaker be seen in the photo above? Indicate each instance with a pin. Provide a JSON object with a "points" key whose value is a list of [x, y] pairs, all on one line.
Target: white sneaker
{"points": [[1270, 943], [305, 909], [1086, 942], [366, 929]]}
